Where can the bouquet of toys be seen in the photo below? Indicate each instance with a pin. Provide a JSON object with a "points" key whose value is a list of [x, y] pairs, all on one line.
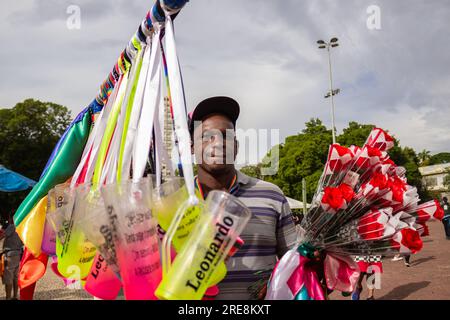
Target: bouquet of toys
{"points": [[363, 206]]}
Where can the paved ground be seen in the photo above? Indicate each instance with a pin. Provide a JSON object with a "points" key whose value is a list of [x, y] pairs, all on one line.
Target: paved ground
{"points": [[427, 278], [50, 287]]}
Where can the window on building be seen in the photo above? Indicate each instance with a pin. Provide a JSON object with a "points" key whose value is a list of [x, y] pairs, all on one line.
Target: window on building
{"points": [[431, 181]]}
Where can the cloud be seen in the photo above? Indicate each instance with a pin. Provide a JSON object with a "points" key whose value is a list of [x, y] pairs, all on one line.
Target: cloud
{"points": [[263, 53]]}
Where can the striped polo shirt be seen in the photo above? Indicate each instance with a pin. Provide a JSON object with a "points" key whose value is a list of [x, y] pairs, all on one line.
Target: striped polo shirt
{"points": [[267, 236]]}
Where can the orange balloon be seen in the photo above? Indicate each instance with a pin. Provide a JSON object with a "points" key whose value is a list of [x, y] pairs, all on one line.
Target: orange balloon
{"points": [[31, 268], [31, 272]]}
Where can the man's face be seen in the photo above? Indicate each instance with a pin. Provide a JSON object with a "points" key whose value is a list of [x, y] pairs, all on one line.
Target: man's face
{"points": [[215, 145]]}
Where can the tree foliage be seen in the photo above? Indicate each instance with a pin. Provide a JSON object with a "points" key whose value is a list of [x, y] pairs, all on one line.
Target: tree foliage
{"points": [[304, 156], [356, 134], [424, 157], [440, 158], [28, 133], [252, 171], [407, 158]]}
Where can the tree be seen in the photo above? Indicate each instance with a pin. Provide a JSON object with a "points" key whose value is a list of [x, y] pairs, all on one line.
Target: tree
{"points": [[302, 156], [406, 157], [440, 158], [356, 134], [424, 157], [28, 133], [252, 171]]}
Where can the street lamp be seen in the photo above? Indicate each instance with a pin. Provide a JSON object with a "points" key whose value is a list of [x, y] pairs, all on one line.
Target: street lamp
{"points": [[328, 45], [335, 92]]}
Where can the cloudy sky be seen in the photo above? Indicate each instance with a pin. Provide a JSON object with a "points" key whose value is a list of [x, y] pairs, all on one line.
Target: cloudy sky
{"points": [[262, 52]]}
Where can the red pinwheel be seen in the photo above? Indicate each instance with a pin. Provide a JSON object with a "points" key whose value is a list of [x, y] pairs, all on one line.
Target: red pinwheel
{"points": [[355, 150], [379, 181], [380, 139], [422, 228], [396, 195], [338, 158], [369, 157], [388, 161], [386, 166], [377, 224], [407, 240], [347, 192], [376, 187], [430, 210], [398, 188], [371, 225]]}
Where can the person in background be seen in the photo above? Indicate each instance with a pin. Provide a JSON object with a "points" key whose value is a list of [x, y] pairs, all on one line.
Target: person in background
{"points": [[397, 257], [406, 259], [2, 260], [12, 250], [2, 231], [446, 220], [371, 268]]}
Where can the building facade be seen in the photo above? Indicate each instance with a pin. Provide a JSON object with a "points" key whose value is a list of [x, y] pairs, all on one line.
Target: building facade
{"points": [[433, 178]]}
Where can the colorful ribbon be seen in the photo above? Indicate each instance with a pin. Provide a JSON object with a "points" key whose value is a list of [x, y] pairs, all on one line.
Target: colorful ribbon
{"points": [[298, 275]]}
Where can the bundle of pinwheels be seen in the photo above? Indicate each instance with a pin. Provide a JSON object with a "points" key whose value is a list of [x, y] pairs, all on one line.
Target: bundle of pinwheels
{"points": [[363, 206]]}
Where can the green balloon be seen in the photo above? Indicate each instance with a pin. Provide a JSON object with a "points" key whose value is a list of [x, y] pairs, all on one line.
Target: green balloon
{"points": [[62, 168]]}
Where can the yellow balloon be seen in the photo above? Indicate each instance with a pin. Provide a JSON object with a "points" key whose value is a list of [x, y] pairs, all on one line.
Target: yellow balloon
{"points": [[31, 229]]}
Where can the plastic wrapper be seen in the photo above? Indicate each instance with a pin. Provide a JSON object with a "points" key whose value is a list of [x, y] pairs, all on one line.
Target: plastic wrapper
{"points": [[75, 252], [97, 222], [222, 220], [136, 243], [167, 199]]}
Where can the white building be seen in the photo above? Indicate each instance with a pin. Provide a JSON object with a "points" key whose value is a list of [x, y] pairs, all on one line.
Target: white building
{"points": [[433, 177], [295, 204]]}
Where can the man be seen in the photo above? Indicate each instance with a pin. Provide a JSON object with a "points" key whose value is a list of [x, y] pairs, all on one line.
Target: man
{"points": [[446, 220], [12, 250], [270, 231]]}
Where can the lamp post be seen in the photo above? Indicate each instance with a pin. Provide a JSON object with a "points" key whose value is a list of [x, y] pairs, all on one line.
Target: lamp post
{"points": [[328, 45], [305, 208]]}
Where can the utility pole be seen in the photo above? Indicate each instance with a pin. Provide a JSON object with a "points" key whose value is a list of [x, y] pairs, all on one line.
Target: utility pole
{"points": [[305, 208], [328, 45]]}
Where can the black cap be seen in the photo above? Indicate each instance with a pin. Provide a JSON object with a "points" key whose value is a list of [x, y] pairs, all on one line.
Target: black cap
{"points": [[221, 105]]}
